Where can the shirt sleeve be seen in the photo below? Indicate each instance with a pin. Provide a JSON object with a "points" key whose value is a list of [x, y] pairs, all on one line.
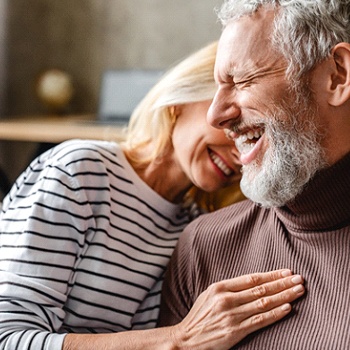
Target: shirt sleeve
{"points": [[45, 222]]}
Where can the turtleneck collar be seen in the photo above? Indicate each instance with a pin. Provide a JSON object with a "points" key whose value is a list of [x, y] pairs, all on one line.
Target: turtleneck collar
{"points": [[324, 204]]}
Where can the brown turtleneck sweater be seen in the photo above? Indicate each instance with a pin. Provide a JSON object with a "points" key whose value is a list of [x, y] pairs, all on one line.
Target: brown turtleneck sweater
{"points": [[311, 236]]}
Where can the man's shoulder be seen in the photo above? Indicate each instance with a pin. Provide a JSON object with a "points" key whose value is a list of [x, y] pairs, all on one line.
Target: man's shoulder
{"points": [[211, 244], [234, 213], [239, 219]]}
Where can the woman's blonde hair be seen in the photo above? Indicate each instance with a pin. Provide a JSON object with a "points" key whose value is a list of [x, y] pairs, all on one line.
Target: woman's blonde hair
{"points": [[191, 80]]}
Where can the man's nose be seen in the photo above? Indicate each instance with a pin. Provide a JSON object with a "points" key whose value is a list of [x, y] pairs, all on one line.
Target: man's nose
{"points": [[223, 110]]}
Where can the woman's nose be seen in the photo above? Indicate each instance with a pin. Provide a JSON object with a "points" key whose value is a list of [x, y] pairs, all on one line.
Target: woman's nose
{"points": [[223, 111]]}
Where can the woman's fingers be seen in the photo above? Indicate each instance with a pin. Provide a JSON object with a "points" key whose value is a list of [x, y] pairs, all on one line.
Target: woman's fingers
{"points": [[231, 309], [261, 297], [258, 299], [255, 279], [291, 285], [264, 319], [270, 307]]}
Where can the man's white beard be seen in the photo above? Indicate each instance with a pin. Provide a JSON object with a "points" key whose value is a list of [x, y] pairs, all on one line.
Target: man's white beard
{"points": [[294, 155]]}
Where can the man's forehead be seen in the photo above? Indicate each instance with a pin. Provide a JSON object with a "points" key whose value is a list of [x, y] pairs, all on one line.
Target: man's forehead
{"points": [[245, 45], [249, 30]]}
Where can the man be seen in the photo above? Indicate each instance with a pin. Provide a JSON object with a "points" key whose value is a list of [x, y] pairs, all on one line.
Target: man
{"points": [[283, 76]]}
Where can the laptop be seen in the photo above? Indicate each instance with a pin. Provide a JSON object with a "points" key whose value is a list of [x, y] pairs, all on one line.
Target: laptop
{"points": [[121, 91]]}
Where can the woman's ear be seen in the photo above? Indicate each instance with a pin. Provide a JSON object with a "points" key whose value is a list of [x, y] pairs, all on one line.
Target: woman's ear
{"points": [[174, 112], [340, 77], [178, 110]]}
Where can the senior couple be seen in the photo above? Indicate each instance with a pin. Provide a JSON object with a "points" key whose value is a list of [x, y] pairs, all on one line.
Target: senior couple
{"points": [[269, 272]]}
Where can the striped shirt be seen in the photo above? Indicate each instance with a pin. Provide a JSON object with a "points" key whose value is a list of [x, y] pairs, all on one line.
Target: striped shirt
{"points": [[83, 246], [311, 236]]}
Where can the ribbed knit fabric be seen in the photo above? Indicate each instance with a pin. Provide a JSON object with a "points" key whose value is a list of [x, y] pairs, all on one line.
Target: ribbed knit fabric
{"points": [[83, 247], [311, 236]]}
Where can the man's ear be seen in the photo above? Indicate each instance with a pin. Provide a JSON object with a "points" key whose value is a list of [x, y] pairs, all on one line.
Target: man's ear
{"points": [[340, 78]]}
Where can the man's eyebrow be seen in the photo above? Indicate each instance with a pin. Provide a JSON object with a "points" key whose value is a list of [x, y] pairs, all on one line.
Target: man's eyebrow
{"points": [[245, 75], [235, 76], [239, 74], [223, 76]]}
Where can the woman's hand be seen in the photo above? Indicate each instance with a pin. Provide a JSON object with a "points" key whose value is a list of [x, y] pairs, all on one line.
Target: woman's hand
{"points": [[222, 316], [229, 310]]}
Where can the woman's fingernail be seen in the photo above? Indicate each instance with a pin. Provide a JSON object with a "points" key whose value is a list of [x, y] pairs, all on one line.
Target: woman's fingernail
{"points": [[286, 273], [298, 289], [297, 279], [286, 307]]}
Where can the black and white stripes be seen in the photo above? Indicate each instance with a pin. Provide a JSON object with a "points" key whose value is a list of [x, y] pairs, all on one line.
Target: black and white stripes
{"points": [[83, 247]]}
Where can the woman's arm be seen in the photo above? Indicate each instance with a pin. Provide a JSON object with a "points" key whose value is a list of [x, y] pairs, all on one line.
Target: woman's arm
{"points": [[222, 316], [42, 234]]}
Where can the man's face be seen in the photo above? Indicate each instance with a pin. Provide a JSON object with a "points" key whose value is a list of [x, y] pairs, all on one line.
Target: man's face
{"points": [[274, 126]]}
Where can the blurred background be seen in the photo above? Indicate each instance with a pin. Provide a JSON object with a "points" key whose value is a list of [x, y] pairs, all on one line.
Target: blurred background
{"points": [[84, 38]]}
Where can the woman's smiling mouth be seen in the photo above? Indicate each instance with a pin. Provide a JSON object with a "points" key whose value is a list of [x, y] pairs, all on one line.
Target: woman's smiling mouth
{"points": [[225, 169]]}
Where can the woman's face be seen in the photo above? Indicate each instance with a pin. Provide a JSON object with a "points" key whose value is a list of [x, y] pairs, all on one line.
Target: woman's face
{"points": [[207, 157]]}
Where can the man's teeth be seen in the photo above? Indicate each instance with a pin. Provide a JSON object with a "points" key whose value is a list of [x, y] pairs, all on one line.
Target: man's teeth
{"points": [[220, 164], [250, 136], [241, 142]]}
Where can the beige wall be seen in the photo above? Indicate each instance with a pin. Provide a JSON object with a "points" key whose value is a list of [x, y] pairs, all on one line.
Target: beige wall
{"points": [[3, 13], [84, 37]]}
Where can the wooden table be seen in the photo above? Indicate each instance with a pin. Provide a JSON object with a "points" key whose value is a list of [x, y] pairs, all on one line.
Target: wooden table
{"points": [[47, 130], [55, 129]]}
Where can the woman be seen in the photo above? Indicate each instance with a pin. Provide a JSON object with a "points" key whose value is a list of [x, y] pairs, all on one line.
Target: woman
{"points": [[88, 228]]}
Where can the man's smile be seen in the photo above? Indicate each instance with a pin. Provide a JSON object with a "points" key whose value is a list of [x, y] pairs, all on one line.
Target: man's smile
{"points": [[248, 143]]}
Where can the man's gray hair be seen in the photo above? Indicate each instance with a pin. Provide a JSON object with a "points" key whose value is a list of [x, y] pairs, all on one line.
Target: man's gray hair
{"points": [[305, 31]]}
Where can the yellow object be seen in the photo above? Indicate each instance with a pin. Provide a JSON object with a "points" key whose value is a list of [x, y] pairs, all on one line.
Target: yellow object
{"points": [[218, 199], [55, 88]]}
